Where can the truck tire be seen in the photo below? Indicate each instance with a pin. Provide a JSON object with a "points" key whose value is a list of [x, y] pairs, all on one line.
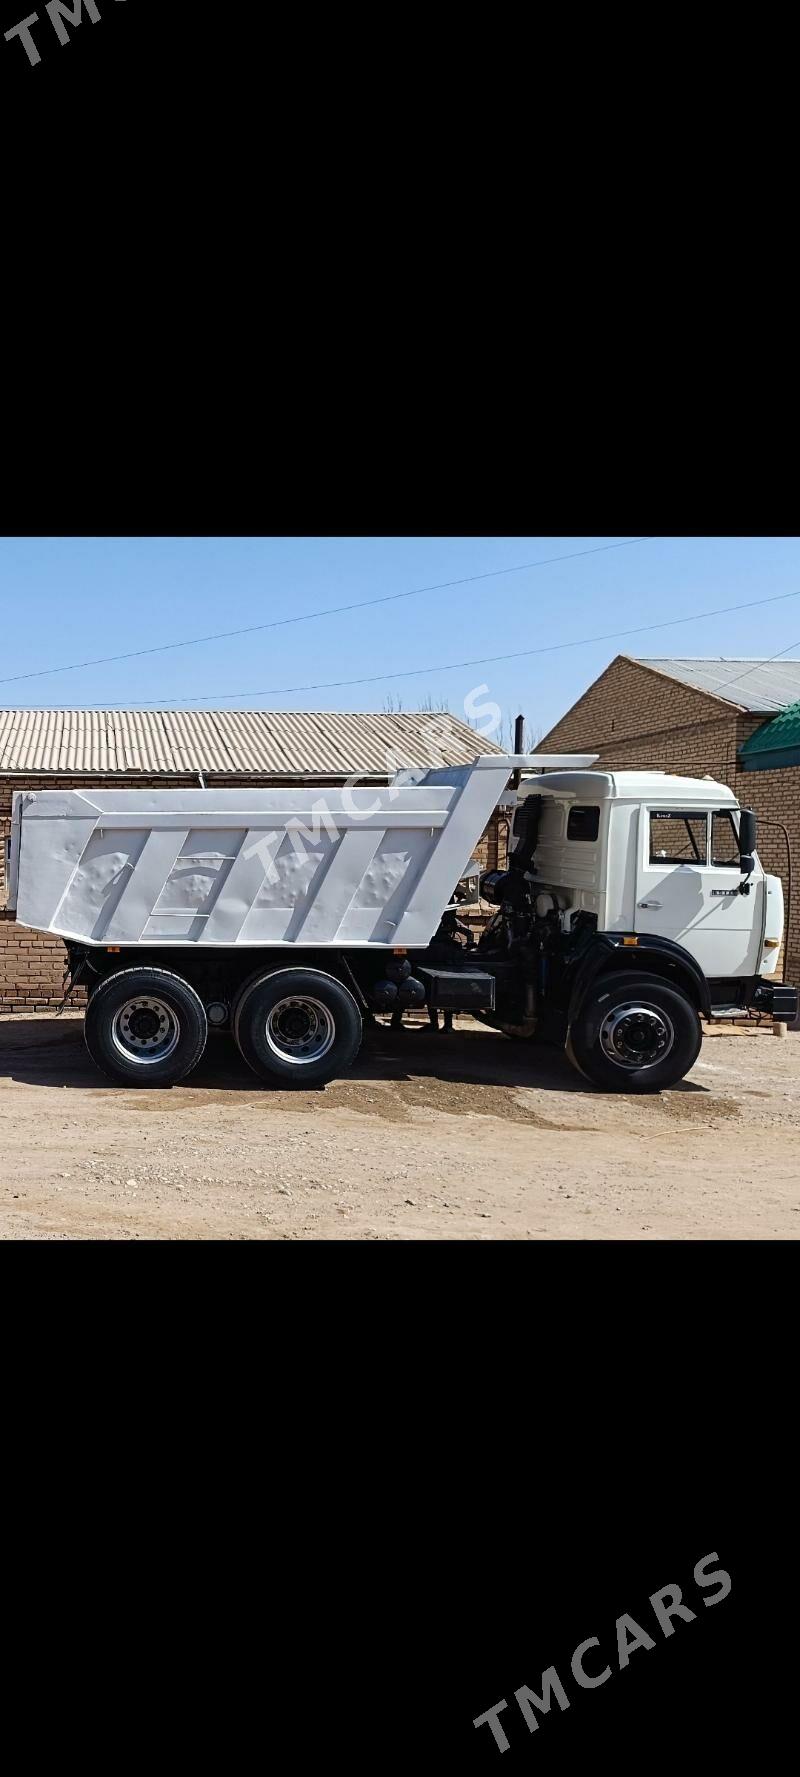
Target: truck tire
{"points": [[635, 1034], [145, 1027], [297, 1027]]}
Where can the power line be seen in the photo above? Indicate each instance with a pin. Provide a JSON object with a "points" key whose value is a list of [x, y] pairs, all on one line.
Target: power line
{"points": [[482, 660], [759, 663], [309, 616], [730, 766], [554, 647]]}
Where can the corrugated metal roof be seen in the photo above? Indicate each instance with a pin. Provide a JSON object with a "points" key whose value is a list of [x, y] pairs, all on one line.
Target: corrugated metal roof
{"points": [[750, 684], [258, 743]]}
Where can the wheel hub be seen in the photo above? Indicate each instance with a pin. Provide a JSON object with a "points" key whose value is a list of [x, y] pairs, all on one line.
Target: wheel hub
{"points": [[300, 1030], [295, 1023], [636, 1036], [145, 1029], [143, 1024]]}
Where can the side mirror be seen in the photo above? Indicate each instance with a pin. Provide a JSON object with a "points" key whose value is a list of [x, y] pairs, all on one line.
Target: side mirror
{"points": [[747, 839]]}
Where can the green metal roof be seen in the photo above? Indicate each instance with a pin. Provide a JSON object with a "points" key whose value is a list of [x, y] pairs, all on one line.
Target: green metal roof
{"points": [[775, 743]]}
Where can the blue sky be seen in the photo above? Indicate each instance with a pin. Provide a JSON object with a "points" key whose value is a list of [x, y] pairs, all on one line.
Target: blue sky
{"points": [[69, 599]]}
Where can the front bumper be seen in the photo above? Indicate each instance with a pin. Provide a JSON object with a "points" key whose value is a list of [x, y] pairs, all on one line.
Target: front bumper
{"points": [[779, 999]]}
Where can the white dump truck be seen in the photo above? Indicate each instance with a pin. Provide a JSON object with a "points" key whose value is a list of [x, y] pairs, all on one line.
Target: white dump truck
{"points": [[633, 906]]}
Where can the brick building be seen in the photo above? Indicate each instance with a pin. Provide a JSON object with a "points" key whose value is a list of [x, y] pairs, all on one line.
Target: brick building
{"points": [[152, 749], [697, 717]]}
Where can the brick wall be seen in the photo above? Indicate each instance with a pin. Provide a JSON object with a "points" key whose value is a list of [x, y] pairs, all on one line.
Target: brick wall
{"points": [[31, 964], [31, 967], [492, 850], [646, 720], [636, 718], [775, 796]]}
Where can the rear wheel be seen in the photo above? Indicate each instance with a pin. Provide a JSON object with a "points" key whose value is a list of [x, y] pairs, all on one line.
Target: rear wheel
{"points": [[145, 1027], [297, 1027], [635, 1035]]}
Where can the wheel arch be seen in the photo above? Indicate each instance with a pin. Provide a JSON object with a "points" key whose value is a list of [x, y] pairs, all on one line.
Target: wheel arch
{"points": [[611, 955]]}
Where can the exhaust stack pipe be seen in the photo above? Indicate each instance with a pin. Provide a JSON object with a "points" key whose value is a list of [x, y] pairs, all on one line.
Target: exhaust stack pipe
{"points": [[519, 747]]}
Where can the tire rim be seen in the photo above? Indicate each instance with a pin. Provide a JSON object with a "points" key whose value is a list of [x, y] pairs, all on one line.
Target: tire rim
{"points": [[636, 1036], [145, 1030], [300, 1030]]}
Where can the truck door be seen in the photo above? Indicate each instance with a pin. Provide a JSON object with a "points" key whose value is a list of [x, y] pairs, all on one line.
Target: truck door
{"points": [[688, 888]]}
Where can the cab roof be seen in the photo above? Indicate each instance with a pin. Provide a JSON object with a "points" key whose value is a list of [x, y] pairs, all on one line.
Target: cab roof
{"points": [[630, 786]]}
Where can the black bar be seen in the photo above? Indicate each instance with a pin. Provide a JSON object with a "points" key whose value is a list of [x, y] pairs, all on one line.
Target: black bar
{"points": [[519, 747], [778, 999]]}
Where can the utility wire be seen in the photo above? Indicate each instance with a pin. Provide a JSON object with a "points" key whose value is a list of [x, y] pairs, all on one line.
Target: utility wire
{"points": [[758, 663], [308, 616], [729, 766], [613, 635], [481, 660]]}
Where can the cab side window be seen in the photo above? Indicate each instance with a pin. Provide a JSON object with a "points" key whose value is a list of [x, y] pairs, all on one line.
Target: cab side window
{"points": [[583, 823], [724, 840], [677, 838]]}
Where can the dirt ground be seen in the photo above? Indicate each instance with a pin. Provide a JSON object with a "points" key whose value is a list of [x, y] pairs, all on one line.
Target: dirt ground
{"points": [[467, 1136]]}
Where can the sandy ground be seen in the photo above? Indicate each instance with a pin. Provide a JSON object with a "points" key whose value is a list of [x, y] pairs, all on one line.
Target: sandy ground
{"points": [[430, 1137]]}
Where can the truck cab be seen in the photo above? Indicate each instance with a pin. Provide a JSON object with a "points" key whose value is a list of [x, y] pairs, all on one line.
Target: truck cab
{"points": [[657, 855], [634, 905]]}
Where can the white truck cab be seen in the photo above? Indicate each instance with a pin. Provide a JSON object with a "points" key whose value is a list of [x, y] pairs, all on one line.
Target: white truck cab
{"points": [[647, 852]]}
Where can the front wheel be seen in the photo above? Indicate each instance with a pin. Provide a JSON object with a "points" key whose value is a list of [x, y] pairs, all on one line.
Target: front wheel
{"points": [[635, 1035], [297, 1027]]}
